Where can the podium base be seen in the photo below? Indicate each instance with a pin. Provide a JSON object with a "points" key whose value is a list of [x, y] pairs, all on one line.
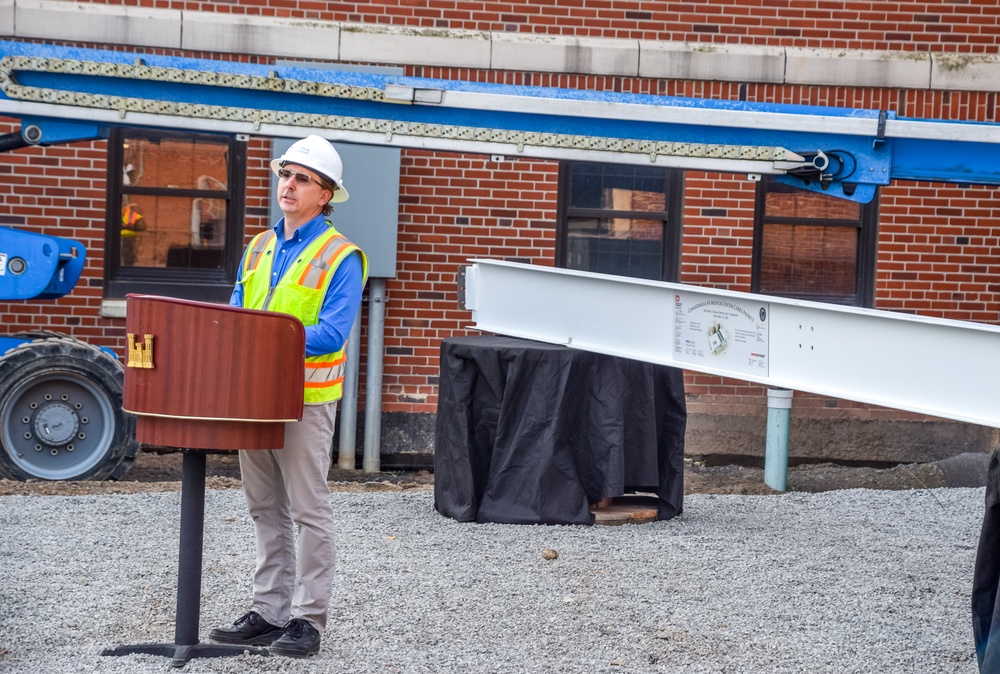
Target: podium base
{"points": [[181, 653]]}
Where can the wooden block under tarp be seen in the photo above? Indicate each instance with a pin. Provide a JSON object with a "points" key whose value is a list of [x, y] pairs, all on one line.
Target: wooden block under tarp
{"points": [[625, 510]]}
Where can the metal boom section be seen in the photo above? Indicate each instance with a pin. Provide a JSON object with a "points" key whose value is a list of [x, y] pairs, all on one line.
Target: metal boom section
{"points": [[842, 151]]}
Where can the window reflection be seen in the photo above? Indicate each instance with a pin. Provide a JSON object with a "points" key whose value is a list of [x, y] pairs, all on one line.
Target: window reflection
{"points": [[621, 246], [616, 218], [172, 233], [810, 245], [174, 202], [808, 260]]}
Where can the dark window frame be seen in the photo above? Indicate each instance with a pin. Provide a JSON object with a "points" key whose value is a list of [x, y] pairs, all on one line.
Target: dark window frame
{"points": [[210, 285], [672, 218], [866, 248]]}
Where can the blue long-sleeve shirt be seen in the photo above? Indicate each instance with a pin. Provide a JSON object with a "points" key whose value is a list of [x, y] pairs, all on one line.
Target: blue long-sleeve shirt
{"points": [[340, 306]]}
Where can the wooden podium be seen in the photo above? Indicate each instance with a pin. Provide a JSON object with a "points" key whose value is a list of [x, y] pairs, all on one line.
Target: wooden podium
{"points": [[202, 376]]}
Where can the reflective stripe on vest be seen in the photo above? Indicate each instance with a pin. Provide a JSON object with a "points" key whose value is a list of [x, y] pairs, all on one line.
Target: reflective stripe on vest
{"points": [[257, 248], [315, 273], [326, 373]]}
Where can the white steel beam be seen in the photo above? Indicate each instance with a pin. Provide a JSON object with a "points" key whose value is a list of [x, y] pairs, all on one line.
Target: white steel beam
{"points": [[944, 368]]}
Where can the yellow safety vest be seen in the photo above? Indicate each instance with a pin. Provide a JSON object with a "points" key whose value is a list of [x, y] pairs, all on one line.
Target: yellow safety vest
{"points": [[132, 221], [300, 292]]}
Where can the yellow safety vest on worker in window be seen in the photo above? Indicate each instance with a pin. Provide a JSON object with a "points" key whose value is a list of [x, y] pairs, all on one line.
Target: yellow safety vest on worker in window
{"points": [[132, 221], [300, 292]]}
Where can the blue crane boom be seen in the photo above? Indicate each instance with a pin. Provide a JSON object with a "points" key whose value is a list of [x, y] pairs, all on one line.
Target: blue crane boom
{"points": [[844, 152]]}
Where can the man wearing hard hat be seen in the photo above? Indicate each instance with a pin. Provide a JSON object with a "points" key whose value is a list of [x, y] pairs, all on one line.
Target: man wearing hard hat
{"points": [[304, 267]]}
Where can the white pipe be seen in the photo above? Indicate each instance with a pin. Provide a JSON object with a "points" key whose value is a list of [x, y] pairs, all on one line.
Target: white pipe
{"points": [[349, 401], [373, 389]]}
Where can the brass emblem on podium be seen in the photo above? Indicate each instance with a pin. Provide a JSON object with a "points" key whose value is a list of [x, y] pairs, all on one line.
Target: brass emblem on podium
{"points": [[140, 355]]}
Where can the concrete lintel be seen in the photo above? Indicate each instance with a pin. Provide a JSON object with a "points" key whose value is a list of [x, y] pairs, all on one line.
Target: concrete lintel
{"points": [[723, 62], [971, 72], [565, 54], [842, 67], [58, 20], [242, 34], [395, 44], [111, 308], [7, 17], [88, 22]]}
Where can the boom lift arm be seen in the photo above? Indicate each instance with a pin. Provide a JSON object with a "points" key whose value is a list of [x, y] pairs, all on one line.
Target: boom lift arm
{"points": [[845, 152]]}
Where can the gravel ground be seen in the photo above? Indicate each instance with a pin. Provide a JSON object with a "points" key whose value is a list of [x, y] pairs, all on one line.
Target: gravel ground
{"points": [[854, 580]]}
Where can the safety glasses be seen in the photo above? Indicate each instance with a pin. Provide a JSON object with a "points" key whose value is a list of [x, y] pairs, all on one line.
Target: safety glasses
{"points": [[300, 178]]}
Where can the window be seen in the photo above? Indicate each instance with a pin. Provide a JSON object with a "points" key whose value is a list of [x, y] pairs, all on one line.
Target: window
{"points": [[619, 219], [175, 227], [813, 246]]}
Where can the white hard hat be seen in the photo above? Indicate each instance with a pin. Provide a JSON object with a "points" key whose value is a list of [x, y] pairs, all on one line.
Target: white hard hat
{"points": [[319, 155]]}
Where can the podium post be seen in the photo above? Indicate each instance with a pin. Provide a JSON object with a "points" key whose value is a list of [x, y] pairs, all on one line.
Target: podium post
{"points": [[194, 379]]}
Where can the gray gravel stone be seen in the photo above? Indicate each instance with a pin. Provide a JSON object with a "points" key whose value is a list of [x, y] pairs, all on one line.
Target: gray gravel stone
{"points": [[838, 582]]}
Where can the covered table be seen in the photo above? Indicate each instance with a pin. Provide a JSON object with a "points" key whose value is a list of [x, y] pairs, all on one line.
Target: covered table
{"points": [[533, 433]]}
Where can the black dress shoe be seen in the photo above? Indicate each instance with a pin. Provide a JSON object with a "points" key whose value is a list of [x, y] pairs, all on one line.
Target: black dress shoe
{"points": [[250, 630], [299, 639]]}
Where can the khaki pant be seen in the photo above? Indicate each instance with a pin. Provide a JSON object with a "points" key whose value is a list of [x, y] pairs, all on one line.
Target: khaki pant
{"points": [[287, 489]]}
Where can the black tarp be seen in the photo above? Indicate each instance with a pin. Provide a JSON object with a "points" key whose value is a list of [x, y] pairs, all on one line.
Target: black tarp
{"points": [[986, 578], [532, 433]]}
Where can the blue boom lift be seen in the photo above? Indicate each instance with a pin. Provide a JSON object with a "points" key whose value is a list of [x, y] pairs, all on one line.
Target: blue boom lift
{"points": [[60, 399]]}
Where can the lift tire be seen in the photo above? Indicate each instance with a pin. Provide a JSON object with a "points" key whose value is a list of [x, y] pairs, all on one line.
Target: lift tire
{"points": [[61, 414]]}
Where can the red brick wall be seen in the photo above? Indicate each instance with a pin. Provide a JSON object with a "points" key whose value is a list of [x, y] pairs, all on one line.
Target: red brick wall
{"points": [[453, 208], [938, 251], [718, 231], [969, 26]]}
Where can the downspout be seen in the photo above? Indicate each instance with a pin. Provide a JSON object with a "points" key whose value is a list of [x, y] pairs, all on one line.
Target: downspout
{"points": [[373, 388], [779, 412]]}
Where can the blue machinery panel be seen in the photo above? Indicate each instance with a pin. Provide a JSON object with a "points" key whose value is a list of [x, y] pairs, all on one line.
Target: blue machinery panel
{"points": [[34, 266]]}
